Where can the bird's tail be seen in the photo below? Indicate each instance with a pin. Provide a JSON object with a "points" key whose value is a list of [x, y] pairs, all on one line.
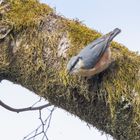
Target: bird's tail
{"points": [[112, 34]]}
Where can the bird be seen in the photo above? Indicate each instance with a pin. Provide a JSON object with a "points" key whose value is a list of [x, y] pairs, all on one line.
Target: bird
{"points": [[94, 58]]}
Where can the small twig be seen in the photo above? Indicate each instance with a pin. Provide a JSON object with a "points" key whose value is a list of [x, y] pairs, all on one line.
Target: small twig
{"points": [[43, 124], [34, 131], [33, 136], [37, 102], [40, 117], [23, 109], [49, 122]]}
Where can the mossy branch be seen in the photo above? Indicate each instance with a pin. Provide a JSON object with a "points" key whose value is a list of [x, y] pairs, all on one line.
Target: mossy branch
{"points": [[35, 53]]}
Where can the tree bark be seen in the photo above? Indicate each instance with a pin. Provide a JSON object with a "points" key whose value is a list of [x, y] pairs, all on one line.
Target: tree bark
{"points": [[35, 53]]}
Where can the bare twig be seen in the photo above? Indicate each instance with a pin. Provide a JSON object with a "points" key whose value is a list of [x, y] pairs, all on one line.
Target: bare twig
{"points": [[45, 123], [37, 102], [49, 122], [23, 109]]}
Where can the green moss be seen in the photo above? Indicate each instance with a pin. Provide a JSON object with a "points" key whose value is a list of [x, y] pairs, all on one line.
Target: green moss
{"points": [[26, 13], [119, 87], [122, 84], [80, 35], [100, 100]]}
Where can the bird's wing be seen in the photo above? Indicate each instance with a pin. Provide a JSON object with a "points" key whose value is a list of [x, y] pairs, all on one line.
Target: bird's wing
{"points": [[91, 47], [93, 52], [96, 42], [92, 55]]}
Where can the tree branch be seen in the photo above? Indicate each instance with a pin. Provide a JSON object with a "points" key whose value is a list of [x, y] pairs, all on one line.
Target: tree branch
{"points": [[35, 54], [23, 109]]}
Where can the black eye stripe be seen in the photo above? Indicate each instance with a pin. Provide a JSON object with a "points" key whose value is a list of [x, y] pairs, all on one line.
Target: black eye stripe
{"points": [[74, 63]]}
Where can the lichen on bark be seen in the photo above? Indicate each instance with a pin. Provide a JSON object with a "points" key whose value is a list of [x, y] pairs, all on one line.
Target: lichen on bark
{"points": [[110, 101]]}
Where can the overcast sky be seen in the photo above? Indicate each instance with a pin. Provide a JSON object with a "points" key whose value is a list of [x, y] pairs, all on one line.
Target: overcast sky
{"points": [[102, 15]]}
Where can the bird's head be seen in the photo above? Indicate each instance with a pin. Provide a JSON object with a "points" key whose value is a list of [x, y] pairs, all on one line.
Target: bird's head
{"points": [[74, 65]]}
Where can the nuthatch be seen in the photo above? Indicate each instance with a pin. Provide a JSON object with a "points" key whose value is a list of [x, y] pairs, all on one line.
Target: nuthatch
{"points": [[94, 58]]}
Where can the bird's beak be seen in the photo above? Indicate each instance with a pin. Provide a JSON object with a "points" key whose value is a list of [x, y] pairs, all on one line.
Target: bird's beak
{"points": [[68, 72]]}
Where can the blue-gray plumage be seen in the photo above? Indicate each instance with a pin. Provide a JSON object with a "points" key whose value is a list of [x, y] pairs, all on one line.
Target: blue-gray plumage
{"points": [[94, 58]]}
